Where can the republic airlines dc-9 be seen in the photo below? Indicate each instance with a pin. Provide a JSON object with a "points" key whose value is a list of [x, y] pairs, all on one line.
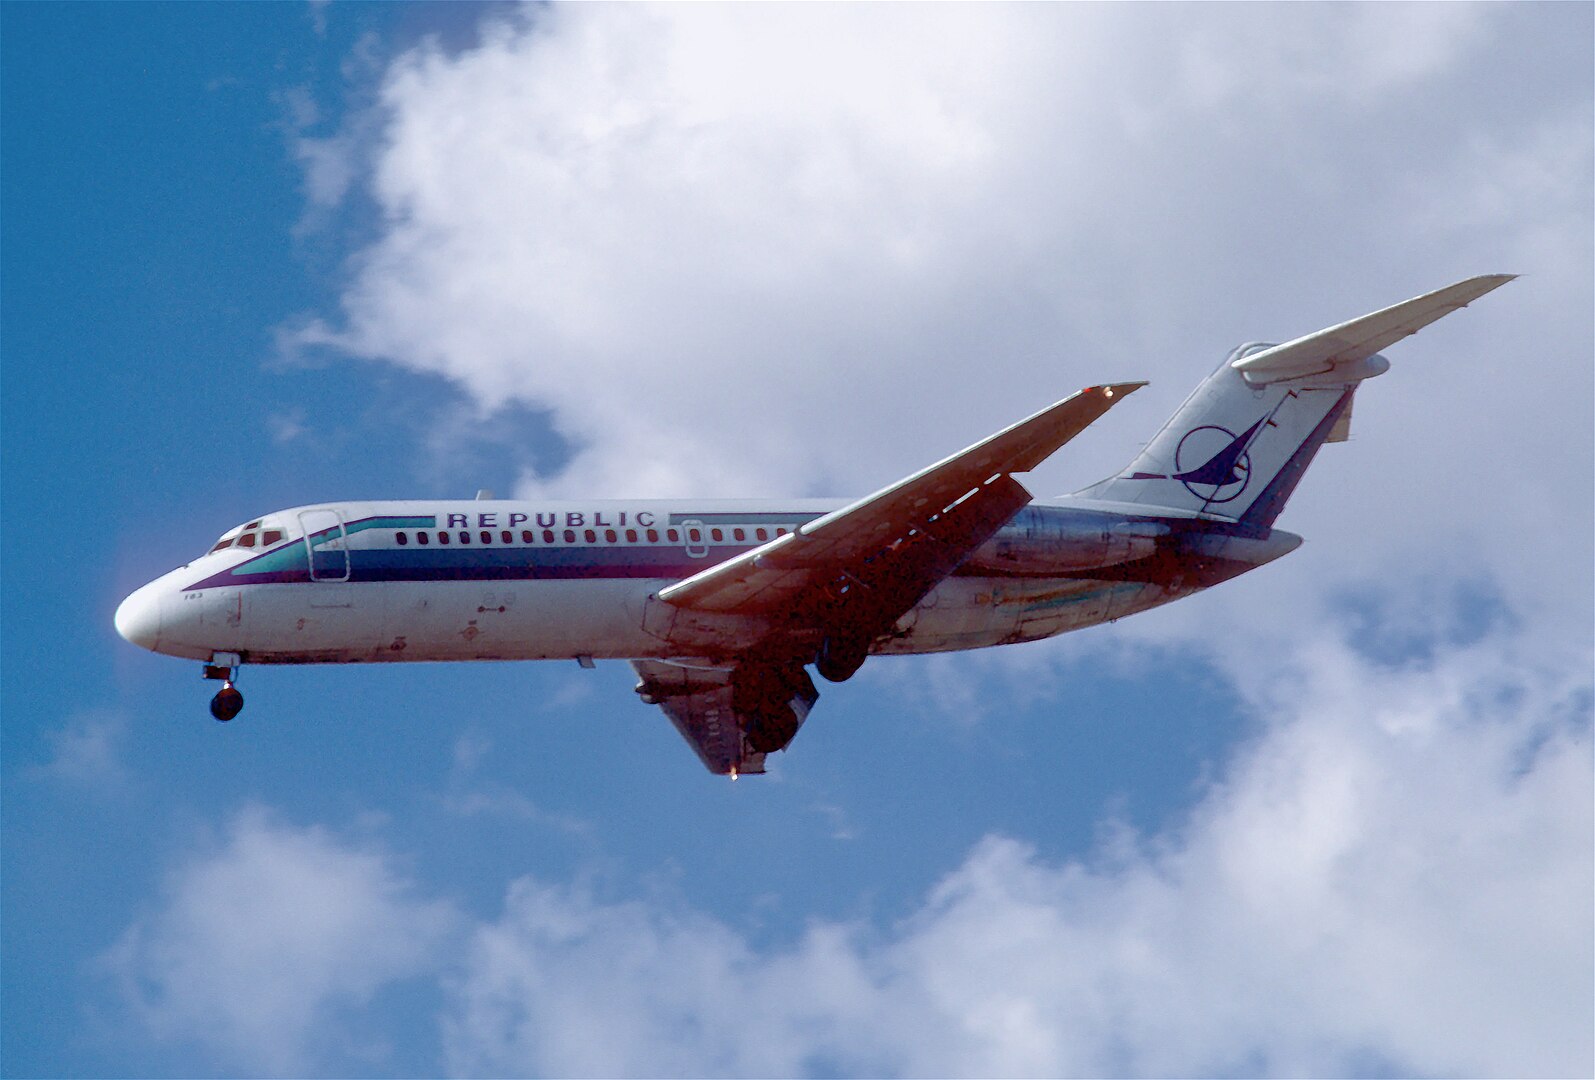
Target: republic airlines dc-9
{"points": [[721, 607]]}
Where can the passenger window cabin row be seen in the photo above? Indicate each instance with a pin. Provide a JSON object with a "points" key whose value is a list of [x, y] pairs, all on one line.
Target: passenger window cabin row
{"points": [[505, 537], [253, 536]]}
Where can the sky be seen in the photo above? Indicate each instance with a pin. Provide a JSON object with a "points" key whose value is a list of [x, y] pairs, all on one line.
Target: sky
{"points": [[1332, 818]]}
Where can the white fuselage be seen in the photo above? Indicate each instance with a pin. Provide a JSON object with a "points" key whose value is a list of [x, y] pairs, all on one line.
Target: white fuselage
{"points": [[507, 580]]}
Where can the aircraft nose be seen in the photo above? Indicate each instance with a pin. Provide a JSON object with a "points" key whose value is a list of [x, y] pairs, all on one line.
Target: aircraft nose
{"points": [[138, 618]]}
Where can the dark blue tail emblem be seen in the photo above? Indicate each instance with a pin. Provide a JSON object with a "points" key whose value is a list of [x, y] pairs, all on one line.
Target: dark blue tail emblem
{"points": [[1225, 467]]}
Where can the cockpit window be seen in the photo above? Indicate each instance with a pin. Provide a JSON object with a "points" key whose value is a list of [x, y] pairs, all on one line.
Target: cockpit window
{"points": [[249, 536]]}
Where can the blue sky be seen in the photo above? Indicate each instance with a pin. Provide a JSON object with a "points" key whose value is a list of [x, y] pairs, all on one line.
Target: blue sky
{"points": [[1332, 818]]}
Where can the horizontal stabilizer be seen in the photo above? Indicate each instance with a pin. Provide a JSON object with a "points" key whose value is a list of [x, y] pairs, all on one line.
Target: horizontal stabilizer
{"points": [[1350, 343], [1239, 445]]}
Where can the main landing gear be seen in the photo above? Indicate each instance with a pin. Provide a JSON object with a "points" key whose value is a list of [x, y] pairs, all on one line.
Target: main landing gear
{"points": [[228, 702], [841, 655], [773, 702]]}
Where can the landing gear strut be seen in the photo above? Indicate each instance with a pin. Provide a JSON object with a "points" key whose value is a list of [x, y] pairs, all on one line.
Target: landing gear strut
{"points": [[228, 702]]}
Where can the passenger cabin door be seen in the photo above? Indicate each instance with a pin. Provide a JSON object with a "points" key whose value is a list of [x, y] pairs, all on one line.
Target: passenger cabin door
{"points": [[695, 541], [327, 548]]}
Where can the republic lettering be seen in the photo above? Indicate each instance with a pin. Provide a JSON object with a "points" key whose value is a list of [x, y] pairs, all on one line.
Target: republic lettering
{"points": [[645, 519], [459, 520], [575, 519], [547, 521], [517, 519], [488, 520]]}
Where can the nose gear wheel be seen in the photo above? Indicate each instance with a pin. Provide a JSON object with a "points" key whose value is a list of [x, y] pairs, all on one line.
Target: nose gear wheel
{"points": [[227, 703]]}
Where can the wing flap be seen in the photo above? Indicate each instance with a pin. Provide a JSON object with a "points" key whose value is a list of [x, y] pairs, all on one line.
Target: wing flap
{"points": [[698, 702], [1357, 340]]}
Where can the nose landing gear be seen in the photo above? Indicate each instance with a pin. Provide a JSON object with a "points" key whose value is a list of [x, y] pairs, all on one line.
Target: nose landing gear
{"points": [[228, 702]]}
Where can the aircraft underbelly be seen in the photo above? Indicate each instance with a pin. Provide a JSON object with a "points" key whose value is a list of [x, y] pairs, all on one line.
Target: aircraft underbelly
{"points": [[448, 620], [377, 622], [977, 612]]}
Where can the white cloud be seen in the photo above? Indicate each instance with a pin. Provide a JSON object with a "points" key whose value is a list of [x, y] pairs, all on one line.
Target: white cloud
{"points": [[1396, 877], [468, 794], [797, 250], [1354, 54], [329, 169], [86, 751], [260, 949], [766, 250], [717, 242], [286, 425]]}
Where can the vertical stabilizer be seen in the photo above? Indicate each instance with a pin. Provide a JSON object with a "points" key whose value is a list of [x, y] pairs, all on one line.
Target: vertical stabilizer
{"points": [[1235, 450], [1239, 445]]}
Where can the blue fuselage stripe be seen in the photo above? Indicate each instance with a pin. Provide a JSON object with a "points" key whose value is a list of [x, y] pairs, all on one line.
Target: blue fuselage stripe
{"points": [[415, 562], [492, 564]]}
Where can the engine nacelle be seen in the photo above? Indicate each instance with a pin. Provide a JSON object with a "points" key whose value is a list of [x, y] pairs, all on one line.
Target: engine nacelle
{"points": [[1056, 546]]}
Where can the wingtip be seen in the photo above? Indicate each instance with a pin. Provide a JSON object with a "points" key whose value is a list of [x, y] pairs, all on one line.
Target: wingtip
{"points": [[1488, 282], [1115, 390], [1473, 288]]}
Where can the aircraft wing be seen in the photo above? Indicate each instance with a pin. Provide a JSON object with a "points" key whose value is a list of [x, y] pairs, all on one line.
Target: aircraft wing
{"points": [[698, 702], [904, 538], [1361, 338]]}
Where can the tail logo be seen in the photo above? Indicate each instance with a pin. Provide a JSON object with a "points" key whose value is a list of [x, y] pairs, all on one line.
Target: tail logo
{"points": [[1225, 466]]}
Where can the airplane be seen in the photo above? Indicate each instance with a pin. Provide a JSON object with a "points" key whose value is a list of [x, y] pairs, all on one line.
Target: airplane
{"points": [[722, 606]]}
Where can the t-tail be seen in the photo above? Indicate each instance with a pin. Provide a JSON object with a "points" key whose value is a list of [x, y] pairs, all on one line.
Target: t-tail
{"points": [[1239, 445]]}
